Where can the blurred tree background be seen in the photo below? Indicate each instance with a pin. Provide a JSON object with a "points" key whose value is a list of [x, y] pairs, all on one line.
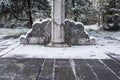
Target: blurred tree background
{"points": [[81, 10], [23, 12], [110, 12], [20, 11]]}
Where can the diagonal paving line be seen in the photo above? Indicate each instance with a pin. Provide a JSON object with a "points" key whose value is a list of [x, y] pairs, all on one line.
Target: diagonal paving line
{"points": [[47, 70], [54, 70], [114, 59], [73, 69], [109, 69], [9, 51], [91, 69], [37, 78]]}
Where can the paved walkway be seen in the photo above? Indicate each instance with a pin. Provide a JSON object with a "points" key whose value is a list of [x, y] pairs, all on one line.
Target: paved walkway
{"points": [[59, 69]]}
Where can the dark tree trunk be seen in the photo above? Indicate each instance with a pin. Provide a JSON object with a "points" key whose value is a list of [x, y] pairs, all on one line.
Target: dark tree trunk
{"points": [[29, 13], [74, 12], [75, 19]]}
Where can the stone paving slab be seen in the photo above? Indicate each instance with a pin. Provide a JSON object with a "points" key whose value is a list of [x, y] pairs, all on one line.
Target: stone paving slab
{"points": [[104, 74], [59, 69], [62, 63], [83, 71], [47, 70], [113, 65], [30, 70], [94, 63], [64, 73]]}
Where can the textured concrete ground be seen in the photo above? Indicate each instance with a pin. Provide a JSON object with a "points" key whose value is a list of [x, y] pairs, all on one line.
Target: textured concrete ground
{"points": [[59, 69]]}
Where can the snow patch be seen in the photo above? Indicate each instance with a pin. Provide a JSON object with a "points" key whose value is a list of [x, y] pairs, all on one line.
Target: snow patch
{"points": [[94, 27], [40, 22], [75, 52], [8, 45]]}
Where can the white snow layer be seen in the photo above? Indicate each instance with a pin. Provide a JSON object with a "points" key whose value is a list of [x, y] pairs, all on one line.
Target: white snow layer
{"points": [[92, 27], [76, 52]]}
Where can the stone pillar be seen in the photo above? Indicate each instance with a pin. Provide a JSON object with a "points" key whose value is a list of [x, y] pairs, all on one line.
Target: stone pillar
{"points": [[58, 18]]}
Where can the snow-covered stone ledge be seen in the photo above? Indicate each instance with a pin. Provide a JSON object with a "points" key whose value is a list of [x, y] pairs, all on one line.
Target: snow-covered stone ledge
{"points": [[41, 33]]}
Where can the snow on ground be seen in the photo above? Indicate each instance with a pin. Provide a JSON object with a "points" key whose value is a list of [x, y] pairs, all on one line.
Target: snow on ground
{"points": [[92, 27], [8, 45], [107, 43], [7, 39], [8, 32], [76, 52]]}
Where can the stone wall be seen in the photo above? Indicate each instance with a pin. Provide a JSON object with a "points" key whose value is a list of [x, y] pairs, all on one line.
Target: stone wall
{"points": [[41, 33]]}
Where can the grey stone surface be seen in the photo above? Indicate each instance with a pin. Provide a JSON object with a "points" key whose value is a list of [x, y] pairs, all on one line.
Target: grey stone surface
{"points": [[64, 73], [95, 63], [105, 67], [62, 63], [58, 69], [83, 71], [113, 65], [47, 70], [75, 33], [41, 33], [30, 70], [104, 73]]}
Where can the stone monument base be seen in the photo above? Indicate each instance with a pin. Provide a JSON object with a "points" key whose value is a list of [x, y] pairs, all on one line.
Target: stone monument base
{"points": [[58, 45], [41, 34]]}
